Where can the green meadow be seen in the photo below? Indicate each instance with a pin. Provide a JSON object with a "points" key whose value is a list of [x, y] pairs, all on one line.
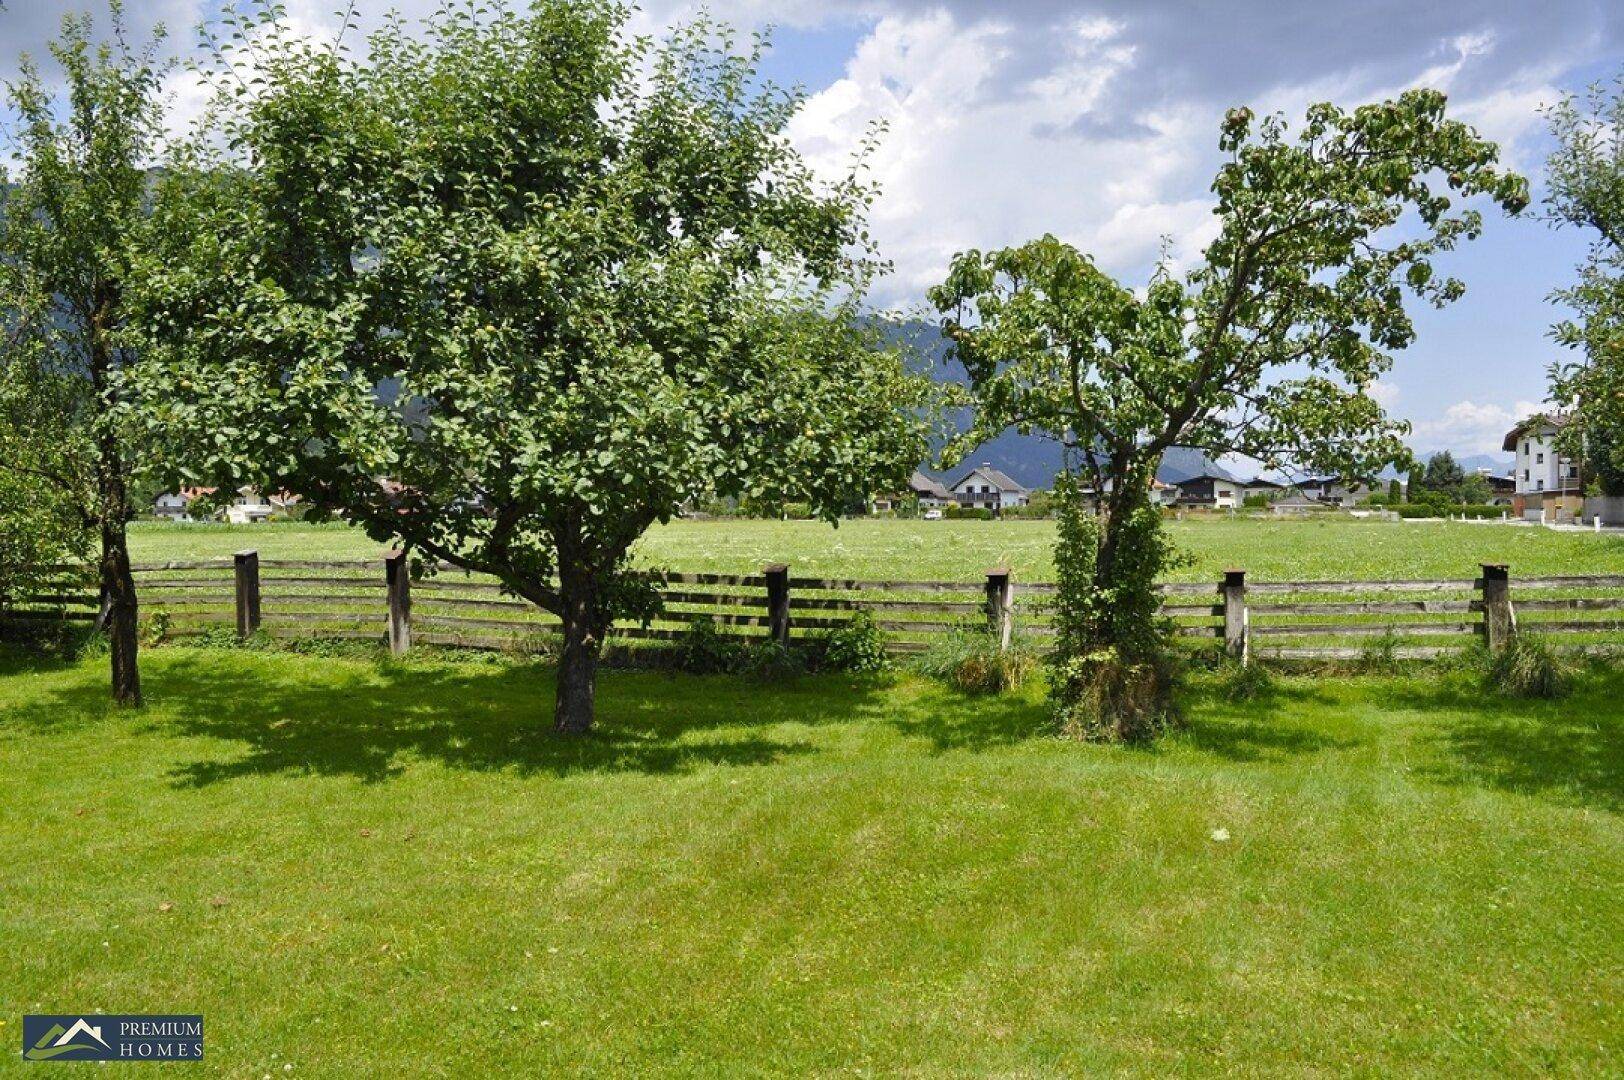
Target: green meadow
{"points": [[362, 868], [1330, 548]]}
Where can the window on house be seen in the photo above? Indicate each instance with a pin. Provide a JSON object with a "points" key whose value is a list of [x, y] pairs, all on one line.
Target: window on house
{"points": [[1525, 446], [1539, 459], [1525, 476], [1540, 486]]}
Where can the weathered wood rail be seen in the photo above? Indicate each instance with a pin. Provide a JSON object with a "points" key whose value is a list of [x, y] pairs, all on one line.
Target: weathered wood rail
{"points": [[378, 600]]}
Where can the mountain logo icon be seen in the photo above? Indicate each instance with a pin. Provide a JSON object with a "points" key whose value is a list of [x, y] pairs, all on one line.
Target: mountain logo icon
{"points": [[59, 1040]]}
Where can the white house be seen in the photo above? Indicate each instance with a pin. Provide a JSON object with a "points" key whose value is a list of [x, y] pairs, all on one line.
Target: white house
{"points": [[1549, 486], [177, 505], [984, 487], [248, 507], [1213, 487], [172, 506]]}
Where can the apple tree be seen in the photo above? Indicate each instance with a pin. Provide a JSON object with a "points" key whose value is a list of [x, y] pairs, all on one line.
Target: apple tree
{"points": [[1267, 348], [510, 287]]}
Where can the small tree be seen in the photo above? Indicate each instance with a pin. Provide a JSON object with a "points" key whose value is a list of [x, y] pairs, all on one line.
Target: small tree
{"points": [[66, 231], [1586, 189], [514, 288], [1474, 490], [1266, 349], [1443, 477]]}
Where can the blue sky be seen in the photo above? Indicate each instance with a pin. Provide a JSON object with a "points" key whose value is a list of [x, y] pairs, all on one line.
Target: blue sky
{"points": [[1097, 121]]}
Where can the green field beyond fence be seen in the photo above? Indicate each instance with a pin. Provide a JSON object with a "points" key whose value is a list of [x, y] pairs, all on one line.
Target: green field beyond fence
{"points": [[377, 600], [1334, 548]]}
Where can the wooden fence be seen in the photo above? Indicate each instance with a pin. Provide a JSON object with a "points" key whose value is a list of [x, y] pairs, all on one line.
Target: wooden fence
{"points": [[377, 600]]}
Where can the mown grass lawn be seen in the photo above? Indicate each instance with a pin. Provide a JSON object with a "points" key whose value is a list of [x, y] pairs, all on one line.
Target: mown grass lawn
{"points": [[363, 868], [876, 549]]}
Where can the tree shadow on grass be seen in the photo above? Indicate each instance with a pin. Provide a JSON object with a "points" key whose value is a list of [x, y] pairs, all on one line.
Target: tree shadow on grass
{"points": [[1571, 749], [34, 658], [1266, 729], [370, 722], [953, 720], [81, 693]]}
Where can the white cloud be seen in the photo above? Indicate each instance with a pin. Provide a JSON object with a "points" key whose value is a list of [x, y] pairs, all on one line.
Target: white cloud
{"points": [[1098, 124], [1385, 394], [1471, 427], [986, 146], [969, 160]]}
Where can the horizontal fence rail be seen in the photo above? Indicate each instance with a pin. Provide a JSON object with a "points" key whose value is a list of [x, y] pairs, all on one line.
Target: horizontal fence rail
{"points": [[378, 600]]}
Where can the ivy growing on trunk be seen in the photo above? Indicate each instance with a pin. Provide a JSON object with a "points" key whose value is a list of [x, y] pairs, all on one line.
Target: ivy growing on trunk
{"points": [[511, 287]]}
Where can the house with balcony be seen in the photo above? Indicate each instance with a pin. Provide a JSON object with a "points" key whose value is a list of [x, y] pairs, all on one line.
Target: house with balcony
{"points": [[1212, 488], [1337, 490], [177, 505], [1549, 486], [1502, 489], [986, 488]]}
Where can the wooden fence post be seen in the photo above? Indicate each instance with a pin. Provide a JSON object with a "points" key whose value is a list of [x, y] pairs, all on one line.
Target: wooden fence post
{"points": [[777, 602], [1499, 620], [246, 569], [398, 576], [1236, 639], [1000, 605]]}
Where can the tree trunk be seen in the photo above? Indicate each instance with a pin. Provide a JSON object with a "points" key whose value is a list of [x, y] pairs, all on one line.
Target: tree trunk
{"points": [[1120, 569], [113, 509], [118, 594], [578, 666], [1119, 503]]}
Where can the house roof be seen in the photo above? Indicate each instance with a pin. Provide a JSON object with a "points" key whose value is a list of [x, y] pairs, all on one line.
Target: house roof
{"points": [[1332, 479], [1296, 498], [1001, 480], [1210, 472], [1258, 482], [921, 484], [1537, 420]]}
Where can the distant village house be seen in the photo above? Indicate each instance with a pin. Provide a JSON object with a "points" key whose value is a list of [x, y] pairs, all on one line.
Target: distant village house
{"points": [[247, 506], [1337, 490], [1295, 502], [932, 494], [1548, 485], [1212, 489], [926, 493], [986, 488]]}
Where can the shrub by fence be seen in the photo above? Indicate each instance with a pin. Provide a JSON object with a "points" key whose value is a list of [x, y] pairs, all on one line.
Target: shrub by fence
{"points": [[377, 600]]}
